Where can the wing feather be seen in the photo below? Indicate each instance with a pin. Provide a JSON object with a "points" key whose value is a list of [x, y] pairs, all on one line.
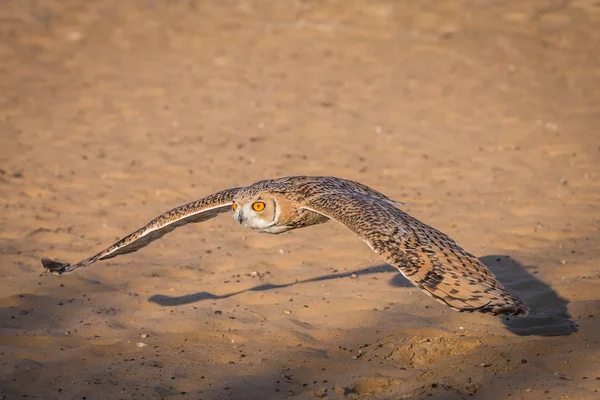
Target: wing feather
{"points": [[194, 212], [427, 257]]}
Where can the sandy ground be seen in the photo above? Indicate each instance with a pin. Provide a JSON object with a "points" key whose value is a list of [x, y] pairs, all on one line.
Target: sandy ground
{"points": [[483, 115]]}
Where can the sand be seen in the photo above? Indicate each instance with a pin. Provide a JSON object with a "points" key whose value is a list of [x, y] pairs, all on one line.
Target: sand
{"points": [[482, 115]]}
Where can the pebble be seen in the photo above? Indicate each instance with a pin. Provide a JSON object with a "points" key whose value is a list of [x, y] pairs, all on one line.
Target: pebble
{"points": [[141, 344], [144, 335], [288, 312], [358, 355], [353, 276], [485, 365]]}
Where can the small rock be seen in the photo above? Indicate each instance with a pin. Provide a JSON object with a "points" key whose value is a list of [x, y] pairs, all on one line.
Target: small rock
{"points": [[353, 276], [563, 262], [288, 312], [141, 344], [144, 335], [485, 365]]}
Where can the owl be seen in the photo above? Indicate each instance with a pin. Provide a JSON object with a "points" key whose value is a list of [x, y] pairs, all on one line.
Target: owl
{"points": [[431, 260]]}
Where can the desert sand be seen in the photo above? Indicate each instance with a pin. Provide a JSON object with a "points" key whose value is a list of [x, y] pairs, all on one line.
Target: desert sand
{"points": [[482, 115]]}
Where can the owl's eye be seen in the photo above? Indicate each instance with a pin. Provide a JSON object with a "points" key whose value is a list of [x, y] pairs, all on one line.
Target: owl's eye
{"points": [[234, 206], [258, 206]]}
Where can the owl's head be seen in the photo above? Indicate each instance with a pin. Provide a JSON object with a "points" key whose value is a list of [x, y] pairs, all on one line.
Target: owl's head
{"points": [[261, 212]]}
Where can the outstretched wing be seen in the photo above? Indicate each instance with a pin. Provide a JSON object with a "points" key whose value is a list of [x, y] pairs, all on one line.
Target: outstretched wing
{"points": [[431, 260], [197, 211]]}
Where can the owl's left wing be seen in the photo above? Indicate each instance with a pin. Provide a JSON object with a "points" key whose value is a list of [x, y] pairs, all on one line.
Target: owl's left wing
{"points": [[428, 258], [197, 211]]}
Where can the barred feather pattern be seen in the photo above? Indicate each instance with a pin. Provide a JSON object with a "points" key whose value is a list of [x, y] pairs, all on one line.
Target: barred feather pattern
{"points": [[194, 212], [427, 257]]}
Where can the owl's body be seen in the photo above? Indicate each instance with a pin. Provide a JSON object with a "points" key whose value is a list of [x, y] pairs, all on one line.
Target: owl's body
{"points": [[431, 260]]}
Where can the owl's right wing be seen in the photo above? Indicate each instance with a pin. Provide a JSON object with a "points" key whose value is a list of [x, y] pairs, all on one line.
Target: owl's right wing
{"points": [[428, 258], [197, 211]]}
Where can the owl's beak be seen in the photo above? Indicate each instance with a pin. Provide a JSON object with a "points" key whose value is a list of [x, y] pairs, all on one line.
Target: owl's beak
{"points": [[240, 216]]}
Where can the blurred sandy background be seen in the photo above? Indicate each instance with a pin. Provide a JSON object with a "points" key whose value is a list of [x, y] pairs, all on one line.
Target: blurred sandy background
{"points": [[483, 115]]}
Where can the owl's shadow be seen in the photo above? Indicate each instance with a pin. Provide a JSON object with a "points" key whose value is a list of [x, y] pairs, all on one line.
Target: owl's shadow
{"points": [[549, 316]]}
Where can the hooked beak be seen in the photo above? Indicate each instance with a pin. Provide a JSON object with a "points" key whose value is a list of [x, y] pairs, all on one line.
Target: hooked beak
{"points": [[240, 216]]}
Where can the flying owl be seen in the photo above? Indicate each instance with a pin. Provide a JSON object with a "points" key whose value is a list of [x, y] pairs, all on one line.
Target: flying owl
{"points": [[431, 260]]}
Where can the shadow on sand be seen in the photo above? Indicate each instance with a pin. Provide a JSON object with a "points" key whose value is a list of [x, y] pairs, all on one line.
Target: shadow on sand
{"points": [[549, 316], [167, 301]]}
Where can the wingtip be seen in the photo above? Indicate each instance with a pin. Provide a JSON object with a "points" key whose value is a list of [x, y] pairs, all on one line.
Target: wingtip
{"points": [[515, 310], [514, 307], [55, 267]]}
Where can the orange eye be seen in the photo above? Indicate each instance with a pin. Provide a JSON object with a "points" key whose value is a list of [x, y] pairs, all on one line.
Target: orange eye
{"points": [[234, 206], [258, 206]]}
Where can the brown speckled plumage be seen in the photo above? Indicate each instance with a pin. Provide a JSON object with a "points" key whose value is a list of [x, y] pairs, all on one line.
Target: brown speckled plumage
{"points": [[431, 260]]}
